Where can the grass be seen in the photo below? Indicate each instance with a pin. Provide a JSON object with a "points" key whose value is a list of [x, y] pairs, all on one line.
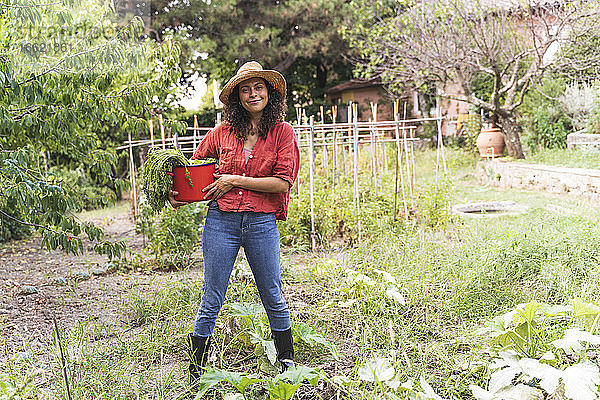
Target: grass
{"points": [[452, 280], [566, 158], [119, 207]]}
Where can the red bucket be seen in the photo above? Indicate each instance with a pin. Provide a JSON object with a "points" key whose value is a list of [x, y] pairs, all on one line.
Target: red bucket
{"points": [[190, 187]]}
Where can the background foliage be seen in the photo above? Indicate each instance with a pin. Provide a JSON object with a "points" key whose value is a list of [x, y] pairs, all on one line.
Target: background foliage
{"points": [[56, 102]]}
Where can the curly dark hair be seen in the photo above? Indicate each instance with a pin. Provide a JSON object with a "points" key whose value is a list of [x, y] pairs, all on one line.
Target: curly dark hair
{"points": [[237, 116]]}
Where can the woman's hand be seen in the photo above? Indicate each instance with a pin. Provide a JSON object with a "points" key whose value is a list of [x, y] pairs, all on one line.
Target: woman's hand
{"points": [[222, 185], [175, 203]]}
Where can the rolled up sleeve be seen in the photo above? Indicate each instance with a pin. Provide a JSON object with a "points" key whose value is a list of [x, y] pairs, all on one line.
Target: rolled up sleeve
{"points": [[288, 155], [209, 145]]}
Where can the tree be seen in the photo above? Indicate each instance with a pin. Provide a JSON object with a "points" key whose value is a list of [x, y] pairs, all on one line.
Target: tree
{"points": [[511, 47], [67, 69], [296, 37]]}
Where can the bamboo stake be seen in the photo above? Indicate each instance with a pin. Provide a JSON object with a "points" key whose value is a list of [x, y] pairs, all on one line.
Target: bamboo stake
{"points": [[442, 141], [373, 162], [162, 131], [311, 141], [344, 140], [356, 193], [385, 158], [298, 180], [374, 150], [325, 155], [195, 131], [399, 167], [414, 168], [334, 118], [151, 125], [440, 146], [408, 172], [132, 177], [298, 115], [312, 194]]}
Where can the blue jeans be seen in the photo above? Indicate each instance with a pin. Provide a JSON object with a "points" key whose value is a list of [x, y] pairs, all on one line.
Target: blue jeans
{"points": [[224, 233]]}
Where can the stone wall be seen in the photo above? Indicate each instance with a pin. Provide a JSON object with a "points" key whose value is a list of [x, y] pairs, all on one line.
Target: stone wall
{"points": [[583, 141], [510, 174]]}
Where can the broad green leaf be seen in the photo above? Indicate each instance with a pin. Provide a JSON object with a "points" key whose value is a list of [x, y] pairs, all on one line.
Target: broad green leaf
{"points": [[268, 348], [581, 381], [245, 309], [571, 342], [518, 392], [585, 310], [526, 312], [239, 381], [556, 310], [209, 378], [549, 358], [548, 376], [395, 295], [376, 370], [308, 335], [299, 374], [213, 376], [480, 393], [503, 378], [341, 380], [282, 390]]}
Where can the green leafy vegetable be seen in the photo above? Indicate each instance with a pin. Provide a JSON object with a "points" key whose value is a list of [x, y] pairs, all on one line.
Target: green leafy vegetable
{"points": [[156, 181]]}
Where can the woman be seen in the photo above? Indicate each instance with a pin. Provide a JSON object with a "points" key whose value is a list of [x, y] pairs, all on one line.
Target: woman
{"points": [[258, 164]]}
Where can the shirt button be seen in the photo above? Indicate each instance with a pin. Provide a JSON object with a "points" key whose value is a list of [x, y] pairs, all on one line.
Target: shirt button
{"points": [[244, 174], [240, 193], [250, 156]]}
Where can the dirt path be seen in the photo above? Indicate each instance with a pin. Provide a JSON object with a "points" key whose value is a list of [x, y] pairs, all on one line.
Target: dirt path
{"points": [[70, 288]]}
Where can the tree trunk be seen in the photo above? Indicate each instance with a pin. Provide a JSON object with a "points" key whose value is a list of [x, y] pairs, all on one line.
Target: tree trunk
{"points": [[321, 75], [511, 131]]}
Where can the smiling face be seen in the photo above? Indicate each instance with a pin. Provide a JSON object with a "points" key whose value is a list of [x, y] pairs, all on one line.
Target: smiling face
{"points": [[254, 96]]}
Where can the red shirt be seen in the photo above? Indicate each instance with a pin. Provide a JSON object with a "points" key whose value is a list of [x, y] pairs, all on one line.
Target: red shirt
{"points": [[276, 155]]}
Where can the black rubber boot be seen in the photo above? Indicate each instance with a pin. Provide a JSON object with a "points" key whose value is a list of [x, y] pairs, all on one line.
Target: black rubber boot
{"points": [[284, 344], [198, 355]]}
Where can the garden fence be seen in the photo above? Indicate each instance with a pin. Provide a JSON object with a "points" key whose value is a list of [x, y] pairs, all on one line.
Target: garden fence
{"points": [[339, 145]]}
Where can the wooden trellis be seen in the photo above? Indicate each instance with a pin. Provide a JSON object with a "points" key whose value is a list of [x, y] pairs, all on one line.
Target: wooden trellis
{"points": [[333, 140]]}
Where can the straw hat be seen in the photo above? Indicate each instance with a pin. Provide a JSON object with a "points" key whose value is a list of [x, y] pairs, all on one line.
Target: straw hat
{"points": [[249, 70]]}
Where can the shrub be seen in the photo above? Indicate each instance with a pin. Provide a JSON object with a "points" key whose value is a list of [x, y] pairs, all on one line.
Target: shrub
{"points": [[173, 236], [176, 236], [89, 193], [593, 123], [544, 121], [578, 103], [9, 228], [550, 127]]}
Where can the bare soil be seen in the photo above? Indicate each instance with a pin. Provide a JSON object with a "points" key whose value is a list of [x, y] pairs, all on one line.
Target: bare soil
{"points": [[67, 289]]}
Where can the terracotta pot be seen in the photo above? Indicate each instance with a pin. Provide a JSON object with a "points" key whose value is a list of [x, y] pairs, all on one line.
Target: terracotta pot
{"points": [[490, 142]]}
